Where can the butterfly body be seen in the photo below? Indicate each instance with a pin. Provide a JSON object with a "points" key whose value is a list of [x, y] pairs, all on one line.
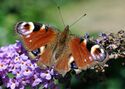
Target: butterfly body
{"points": [[59, 49]]}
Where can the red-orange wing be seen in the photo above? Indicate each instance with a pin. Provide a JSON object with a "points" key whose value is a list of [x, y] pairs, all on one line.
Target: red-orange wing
{"points": [[82, 56], [45, 58], [35, 35], [39, 38]]}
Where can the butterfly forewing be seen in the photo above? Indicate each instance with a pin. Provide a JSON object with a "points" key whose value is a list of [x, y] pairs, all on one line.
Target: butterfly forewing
{"points": [[82, 56], [38, 37]]}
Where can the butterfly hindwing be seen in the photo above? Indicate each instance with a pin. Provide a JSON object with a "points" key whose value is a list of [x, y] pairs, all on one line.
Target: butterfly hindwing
{"points": [[46, 57], [62, 64]]}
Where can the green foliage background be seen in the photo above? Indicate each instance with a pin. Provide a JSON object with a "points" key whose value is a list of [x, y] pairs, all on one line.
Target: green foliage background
{"points": [[45, 11]]}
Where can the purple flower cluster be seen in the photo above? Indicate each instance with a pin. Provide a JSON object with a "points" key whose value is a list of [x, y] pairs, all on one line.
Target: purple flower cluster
{"points": [[17, 71], [113, 43]]}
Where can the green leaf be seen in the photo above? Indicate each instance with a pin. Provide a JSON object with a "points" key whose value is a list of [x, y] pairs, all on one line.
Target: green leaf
{"points": [[10, 75]]}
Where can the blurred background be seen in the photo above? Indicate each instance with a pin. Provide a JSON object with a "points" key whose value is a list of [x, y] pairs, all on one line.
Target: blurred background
{"points": [[102, 16]]}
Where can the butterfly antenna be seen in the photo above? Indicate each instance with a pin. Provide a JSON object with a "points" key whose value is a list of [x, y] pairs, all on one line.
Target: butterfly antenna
{"points": [[58, 7], [61, 15], [78, 20]]}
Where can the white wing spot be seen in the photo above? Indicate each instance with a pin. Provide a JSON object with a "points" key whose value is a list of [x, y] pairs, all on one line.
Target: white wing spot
{"points": [[85, 60], [71, 59], [43, 26], [27, 36], [30, 41], [90, 58], [31, 25], [42, 49]]}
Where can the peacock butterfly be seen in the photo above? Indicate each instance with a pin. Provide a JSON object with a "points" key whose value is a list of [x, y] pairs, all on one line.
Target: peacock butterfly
{"points": [[62, 50]]}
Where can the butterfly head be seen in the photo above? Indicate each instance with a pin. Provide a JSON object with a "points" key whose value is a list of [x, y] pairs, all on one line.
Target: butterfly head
{"points": [[26, 28]]}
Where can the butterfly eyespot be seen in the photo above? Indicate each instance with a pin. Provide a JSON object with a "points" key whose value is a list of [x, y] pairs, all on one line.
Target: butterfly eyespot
{"points": [[27, 26], [72, 63], [33, 54], [36, 52], [24, 28], [98, 53]]}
